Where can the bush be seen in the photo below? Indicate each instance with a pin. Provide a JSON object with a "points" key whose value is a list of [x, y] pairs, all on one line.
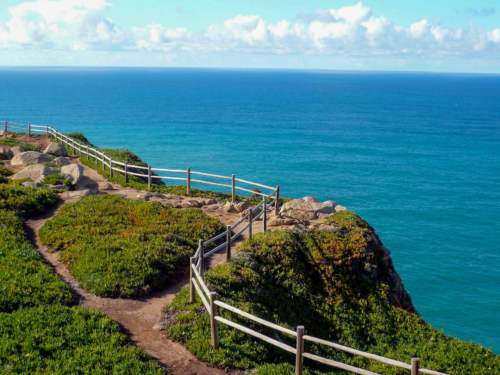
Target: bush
{"points": [[340, 285], [119, 247], [26, 201], [25, 280], [57, 179], [63, 340], [12, 142]]}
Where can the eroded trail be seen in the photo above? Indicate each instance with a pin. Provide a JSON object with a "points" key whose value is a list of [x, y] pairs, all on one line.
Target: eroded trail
{"points": [[141, 318]]}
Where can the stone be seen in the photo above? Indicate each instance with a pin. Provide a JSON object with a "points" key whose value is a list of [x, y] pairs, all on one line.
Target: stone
{"points": [[56, 149], [77, 194], [61, 160], [29, 158], [339, 208], [104, 185], [5, 153], [242, 206], [279, 221], [229, 207], [17, 150], [307, 208], [73, 172], [35, 172]]}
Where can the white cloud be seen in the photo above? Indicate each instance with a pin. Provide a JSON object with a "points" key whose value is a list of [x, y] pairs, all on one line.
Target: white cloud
{"points": [[494, 36]]}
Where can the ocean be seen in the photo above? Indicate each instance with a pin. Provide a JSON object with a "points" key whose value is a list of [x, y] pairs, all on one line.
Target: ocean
{"points": [[417, 155]]}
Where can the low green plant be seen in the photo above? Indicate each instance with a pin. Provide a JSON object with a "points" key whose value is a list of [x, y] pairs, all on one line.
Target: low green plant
{"points": [[12, 142], [64, 340], [120, 248], [57, 179], [339, 284], [26, 201]]}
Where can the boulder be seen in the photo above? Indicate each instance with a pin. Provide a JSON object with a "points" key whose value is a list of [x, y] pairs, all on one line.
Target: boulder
{"points": [[56, 149], [35, 172], [61, 160], [339, 208], [29, 158], [242, 206], [5, 153], [17, 150], [307, 208], [229, 207], [104, 185], [73, 172], [77, 194]]}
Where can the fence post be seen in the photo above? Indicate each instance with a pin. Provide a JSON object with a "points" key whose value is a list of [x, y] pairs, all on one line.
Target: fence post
{"points": [[29, 129], [299, 359], [202, 257], [47, 130], [233, 188], [125, 169], [5, 126], [191, 286], [229, 231], [149, 177], [277, 203], [110, 167], [102, 160], [250, 220], [188, 182], [213, 323], [415, 366], [264, 217]]}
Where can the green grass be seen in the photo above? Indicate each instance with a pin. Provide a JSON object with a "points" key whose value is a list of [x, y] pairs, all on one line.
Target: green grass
{"points": [[119, 247], [64, 340], [12, 142], [334, 282], [25, 201], [56, 179]]}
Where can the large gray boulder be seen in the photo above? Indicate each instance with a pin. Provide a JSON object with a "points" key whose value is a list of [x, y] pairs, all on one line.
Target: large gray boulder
{"points": [[5, 153], [307, 208], [73, 172], [56, 149], [35, 172], [61, 160], [29, 158]]}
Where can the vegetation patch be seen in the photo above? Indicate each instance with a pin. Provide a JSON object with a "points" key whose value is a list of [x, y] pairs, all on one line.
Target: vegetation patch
{"points": [[12, 142], [119, 247], [63, 340], [57, 179], [339, 284], [26, 201]]}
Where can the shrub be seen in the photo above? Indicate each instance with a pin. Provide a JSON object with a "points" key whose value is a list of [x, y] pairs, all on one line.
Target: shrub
{"points": [[56, 179], [63, 340], [25, 280], [12, 142], [119, 247], [339, 284], [26, 201]]}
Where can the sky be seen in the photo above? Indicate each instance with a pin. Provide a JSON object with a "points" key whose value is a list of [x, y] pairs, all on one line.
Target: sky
{"points": [[409, 35]]}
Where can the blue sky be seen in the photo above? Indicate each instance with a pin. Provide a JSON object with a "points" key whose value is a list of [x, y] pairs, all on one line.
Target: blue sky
{"points": [[440, 35]]}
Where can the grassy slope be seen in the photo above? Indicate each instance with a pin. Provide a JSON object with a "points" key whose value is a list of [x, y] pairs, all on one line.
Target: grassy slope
{"points": [[120, 247], [334, 283]]}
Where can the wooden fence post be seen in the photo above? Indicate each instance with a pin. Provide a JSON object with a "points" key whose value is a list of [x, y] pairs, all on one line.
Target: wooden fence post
{"points": [[188, 182], [229, 231], [202, 257], [250, 222], [214, 333], [149, 177], [277, 203], [29, 129], [110, 167], [5, 126], [191, 286], [102, 160], [233, 188], [47, 130], [415, 366], [299, 359], [264, 217], [125, 169]]}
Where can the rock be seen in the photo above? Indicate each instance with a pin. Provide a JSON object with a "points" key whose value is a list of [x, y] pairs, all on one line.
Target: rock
{"points": [[35, 172], [73, 172], [5, 153], [229, 207], [29, 158], [61, 160], [77, 194], [30, 184], [17, 150], [56, 149], [104, 185], [339, 208], [276, 221], [242, 206], [307, 208]]}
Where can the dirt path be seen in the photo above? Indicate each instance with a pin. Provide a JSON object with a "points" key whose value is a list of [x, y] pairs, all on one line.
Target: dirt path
{"points": [[141, 318]]}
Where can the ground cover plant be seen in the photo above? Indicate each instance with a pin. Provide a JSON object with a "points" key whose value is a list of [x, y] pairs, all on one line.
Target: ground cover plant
{"points": [[119, 247], [63, 340], [26, 201], [338, 283], [57, 179], [12, 142]]}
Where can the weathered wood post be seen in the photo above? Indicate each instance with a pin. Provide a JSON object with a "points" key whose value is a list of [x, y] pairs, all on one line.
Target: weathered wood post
{"points": [[415, 366], [102, 161], [110, 167], [191, 275], [299, 359], [229, 232], [5, 126], [277, 203], [125, 170], [264, 217], [29, 129], [149, 177], [202, 257], [188, 182], [233, 188], [214, 333], [47, 130], [250, 222]]}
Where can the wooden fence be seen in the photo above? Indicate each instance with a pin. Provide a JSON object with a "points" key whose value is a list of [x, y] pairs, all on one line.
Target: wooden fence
{"points": [[224, 241]]}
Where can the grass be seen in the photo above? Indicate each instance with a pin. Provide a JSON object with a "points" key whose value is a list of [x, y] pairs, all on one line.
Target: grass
{"points": [[121, 248], [64, 340], [25, 201], [56, 179], [12, 142], [336, 283]]}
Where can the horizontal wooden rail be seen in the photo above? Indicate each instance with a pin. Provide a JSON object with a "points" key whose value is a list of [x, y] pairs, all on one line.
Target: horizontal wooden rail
{"points": [[340, 365]]}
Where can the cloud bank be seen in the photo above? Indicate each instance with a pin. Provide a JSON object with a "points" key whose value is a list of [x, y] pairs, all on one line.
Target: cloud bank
{"points": [[353, 31]]}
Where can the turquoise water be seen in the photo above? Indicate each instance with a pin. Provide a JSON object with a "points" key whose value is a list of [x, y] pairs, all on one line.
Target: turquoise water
{"points": [[417, 155]]}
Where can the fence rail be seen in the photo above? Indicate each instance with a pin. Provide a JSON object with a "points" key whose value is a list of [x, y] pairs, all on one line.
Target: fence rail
{"points": [[223, 241]]}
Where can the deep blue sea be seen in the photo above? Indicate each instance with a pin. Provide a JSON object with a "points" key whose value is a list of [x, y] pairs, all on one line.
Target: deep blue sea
{"points": [[417, 155]]}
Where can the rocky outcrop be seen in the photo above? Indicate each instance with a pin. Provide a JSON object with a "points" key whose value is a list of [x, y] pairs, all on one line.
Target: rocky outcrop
{"points": [[307, 209], [61, 160], [5, 153], [35, 172], [29, 158], [56, 149], [73, 172]]}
